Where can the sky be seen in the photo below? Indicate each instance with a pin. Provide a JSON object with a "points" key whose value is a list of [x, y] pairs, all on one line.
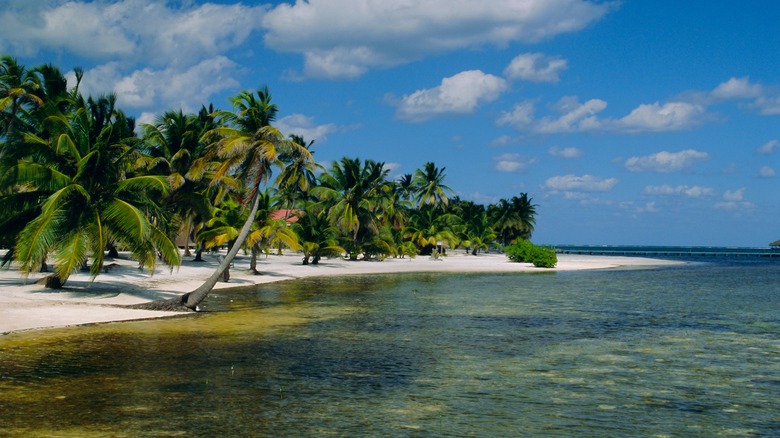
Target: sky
{"points": [[628, 122]]}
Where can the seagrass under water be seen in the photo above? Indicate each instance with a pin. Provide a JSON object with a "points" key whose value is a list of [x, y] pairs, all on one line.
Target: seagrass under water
{"points": [[690, 350]]}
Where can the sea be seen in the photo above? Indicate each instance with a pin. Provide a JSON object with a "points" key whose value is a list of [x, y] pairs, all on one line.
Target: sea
{"points": [[689, 349]]}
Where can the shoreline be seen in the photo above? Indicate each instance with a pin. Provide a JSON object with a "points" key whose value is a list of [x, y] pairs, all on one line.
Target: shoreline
{"points": [[26, 306]]}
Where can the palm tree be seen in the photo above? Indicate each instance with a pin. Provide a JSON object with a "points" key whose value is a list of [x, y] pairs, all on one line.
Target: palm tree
{"points": [[173, 148], [431, 229], [317, 237], [513, 219], [92, 199], [248, 145], [405, 184], [354, 193], [19, 89], [526, 211], [297, 177], [428, 186], [27, 100]]}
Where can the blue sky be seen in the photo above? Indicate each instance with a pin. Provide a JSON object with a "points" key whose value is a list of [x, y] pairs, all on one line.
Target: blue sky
{"points": [[633, 122]]}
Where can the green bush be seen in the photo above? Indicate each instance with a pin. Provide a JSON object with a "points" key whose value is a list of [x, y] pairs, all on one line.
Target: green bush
{"points": [[526, 252]]}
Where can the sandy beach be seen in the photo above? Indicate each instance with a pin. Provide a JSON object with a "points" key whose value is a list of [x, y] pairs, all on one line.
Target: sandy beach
{"points": [[25, 305]]}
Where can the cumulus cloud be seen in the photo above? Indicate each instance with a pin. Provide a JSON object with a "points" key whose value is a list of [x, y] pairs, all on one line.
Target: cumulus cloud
{"points": [[680, 190], [766, 172], [575, 183], [767, 105], [459, 94], [569, 152], [575, 116], [304, 126], [172, 87], [522, 115], [648, 208], [128, 30], [769, 147], [346, 38], [580, 117], [512, 162], [180, 44], [734, 200], [765, 99], [671, 116], [665, 162], [535, 67], [737, 88]]}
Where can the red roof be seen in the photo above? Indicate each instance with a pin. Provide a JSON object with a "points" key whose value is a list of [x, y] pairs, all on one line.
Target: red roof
{"points": [[288, 214]]}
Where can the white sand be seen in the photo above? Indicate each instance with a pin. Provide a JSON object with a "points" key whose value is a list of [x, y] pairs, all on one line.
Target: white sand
{"points": [[25, 305]]}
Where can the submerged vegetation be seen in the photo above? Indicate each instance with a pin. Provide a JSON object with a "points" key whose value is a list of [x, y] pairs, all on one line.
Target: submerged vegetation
{"points": [[79, 181]]}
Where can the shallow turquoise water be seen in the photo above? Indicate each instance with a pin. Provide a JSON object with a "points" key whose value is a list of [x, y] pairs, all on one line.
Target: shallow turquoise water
{"points": [[681, 351]]}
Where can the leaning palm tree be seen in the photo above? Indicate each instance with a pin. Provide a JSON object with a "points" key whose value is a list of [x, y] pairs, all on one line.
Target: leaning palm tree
{"points": [[247, 145]]}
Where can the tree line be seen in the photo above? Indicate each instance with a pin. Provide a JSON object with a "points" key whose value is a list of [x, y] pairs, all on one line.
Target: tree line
{"points": [[80, 181]]}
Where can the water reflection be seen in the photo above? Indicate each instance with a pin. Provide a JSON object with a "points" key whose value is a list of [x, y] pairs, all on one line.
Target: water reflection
{"points": [[675, 351]]}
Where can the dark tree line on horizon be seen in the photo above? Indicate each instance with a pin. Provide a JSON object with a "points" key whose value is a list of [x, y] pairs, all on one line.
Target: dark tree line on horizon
{"points": [[79, 181]]}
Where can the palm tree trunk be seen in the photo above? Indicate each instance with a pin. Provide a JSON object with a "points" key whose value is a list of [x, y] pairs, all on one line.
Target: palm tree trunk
{"points": [[253, 260], [188, 228], [192, 299]]}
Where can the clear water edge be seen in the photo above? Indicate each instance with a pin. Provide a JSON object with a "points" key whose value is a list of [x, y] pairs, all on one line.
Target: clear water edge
{"points": [[678, 351]]}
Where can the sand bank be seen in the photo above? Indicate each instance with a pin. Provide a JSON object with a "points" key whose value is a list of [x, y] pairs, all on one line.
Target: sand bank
{"points": [[25, 305]]}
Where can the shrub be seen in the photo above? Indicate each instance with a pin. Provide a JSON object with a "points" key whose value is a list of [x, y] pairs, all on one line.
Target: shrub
{"points": [[526, 252]]}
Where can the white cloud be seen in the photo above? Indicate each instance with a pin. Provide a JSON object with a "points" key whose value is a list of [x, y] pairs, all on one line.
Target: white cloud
{"points": [[766, 99], [392, 167], [737, 88], [569, 152], [459, 94], [522, 115], [680, 190], [665, 162], [734, 200], [535, 67], [505, 140], [768, 105], [580, 117], [574, 183], [766, 172], [187, 88], [346, 38], [180, 44], [648, 208], [576, 116], [672, 116], [734, 195], [304, 126], [129, 31], [512, 162], [769, 147]]}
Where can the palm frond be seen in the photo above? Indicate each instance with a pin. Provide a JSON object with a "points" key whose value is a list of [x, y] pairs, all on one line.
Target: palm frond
{"points": [[65, 145], [71, 252], [153, 182], [126, 222], [40, 176]]}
